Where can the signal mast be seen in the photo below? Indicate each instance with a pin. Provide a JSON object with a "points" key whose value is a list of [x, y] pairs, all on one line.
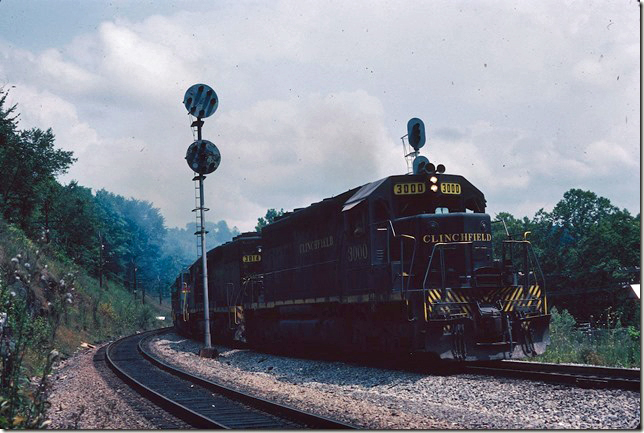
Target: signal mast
{"points": [[203, 158]]}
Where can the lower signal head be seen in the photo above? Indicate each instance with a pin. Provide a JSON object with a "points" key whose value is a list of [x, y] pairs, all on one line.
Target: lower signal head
{"points": [[420, 164]]}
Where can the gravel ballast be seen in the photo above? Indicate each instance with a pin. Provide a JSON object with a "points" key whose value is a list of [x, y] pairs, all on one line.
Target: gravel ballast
{"points": [[389, 399], [85, 394]]}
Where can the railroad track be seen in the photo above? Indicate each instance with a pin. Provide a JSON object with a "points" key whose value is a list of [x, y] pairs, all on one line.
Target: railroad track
{"points": [[579, 375], [199, 402], [585, 376]]}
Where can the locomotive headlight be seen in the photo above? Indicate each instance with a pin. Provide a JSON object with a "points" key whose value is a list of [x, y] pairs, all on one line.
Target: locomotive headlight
{"points": [[433, 179], [434, 188]]}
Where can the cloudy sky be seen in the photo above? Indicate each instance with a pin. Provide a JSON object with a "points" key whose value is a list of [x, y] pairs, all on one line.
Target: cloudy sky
{"points": [[525, 99]]}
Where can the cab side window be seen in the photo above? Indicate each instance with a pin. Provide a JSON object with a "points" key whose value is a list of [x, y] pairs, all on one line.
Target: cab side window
{"points": [[356, 221], [381, 211]]}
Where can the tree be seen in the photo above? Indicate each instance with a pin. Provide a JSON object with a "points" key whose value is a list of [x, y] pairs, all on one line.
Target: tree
{"points": [[8, 121], [113, 234], [580, 210], [271, 215], [70, 214], [588, 240], [29, 162], [140, 228], [587, 249]]}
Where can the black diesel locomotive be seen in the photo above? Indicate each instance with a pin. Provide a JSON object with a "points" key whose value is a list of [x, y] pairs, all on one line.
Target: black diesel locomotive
{"points": [[402, 264]]}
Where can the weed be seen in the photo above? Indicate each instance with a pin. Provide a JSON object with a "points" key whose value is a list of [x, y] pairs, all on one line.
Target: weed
{"points": [[610, 345]]}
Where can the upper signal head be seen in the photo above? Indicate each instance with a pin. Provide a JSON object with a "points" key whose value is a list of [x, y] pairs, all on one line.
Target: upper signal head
{"points": [[201, 101], [416, 133]]}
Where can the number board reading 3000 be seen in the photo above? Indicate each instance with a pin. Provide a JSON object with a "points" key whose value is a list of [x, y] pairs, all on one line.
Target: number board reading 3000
{"points": [[450, 188], [409, 188]]}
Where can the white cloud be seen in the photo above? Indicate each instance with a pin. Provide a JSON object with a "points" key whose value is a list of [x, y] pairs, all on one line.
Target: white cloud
{"points": [[608, 157], [46, 110], [141, 68], [290, 152], [68, 76], [523, 99]]}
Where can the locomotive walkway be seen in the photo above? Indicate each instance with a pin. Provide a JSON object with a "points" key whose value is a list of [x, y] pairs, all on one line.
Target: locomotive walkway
{"points": [[201, 403]]}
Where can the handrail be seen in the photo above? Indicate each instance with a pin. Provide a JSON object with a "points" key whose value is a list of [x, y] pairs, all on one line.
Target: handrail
{"points": [[534, 256], [501, 220], [431, 257], [402, 260], [402, 256]]}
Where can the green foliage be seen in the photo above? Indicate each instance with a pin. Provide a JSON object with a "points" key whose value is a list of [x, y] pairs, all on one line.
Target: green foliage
{"points": [[140, 230], [563, 340], [29, 163], [22, 335], [71, 223], [49, 304], [270, 216], [145, 318], [586, 241], [611, 345], [587, 248]]}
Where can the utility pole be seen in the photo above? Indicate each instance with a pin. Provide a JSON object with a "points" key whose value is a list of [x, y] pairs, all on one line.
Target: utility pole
{"points": [[134, 263], [100, 260]]}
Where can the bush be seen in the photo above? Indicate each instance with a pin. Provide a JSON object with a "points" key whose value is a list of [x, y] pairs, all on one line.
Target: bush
{"points": [[145, 317], [612, 345], [23, 402], [50, 306]]}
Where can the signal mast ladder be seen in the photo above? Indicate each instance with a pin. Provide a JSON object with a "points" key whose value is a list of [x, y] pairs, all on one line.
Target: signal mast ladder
{"points": [[196, 210]]}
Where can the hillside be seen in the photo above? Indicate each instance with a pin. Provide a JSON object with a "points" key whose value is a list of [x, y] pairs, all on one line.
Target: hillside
{"points": [[49, 307]]}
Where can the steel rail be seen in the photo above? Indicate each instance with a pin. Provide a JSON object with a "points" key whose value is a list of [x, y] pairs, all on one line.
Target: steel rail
{"points": [[201, 403], [587, 376], [180, 411], [307, 419]]}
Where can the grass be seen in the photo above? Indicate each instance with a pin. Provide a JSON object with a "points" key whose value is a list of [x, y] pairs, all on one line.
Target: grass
{"points": [[610, 345], [48, 306]]}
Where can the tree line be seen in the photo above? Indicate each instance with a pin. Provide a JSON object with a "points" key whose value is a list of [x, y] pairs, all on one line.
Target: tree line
{"points": [[589, 251], [112, 237]]}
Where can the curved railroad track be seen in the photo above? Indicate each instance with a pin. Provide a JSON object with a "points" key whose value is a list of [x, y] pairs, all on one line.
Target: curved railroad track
{"points": [[199, 402], [580, 375]]}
